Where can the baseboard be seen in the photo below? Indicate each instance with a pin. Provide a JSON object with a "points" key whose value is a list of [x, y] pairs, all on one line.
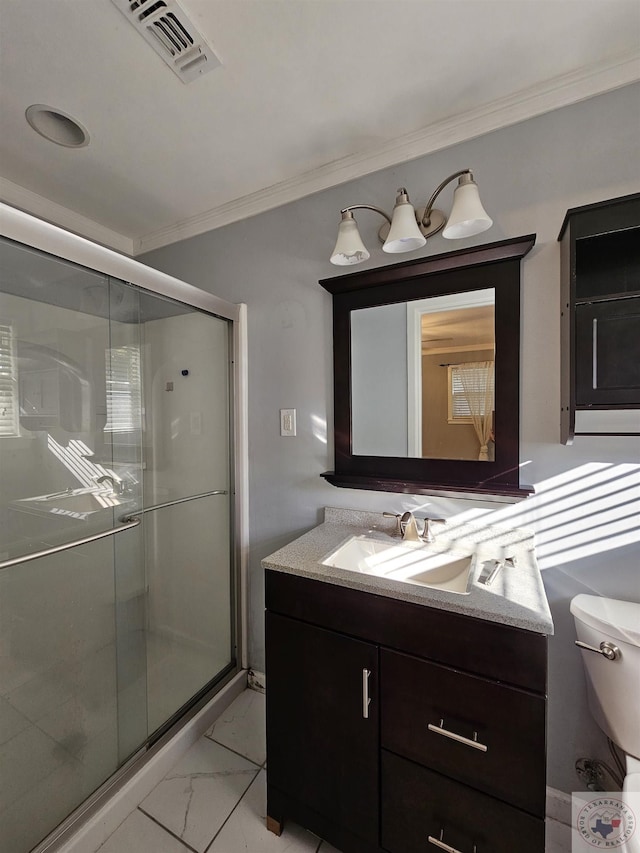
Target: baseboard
{"points": [[558, 806], [256, 680], [154, 767]]}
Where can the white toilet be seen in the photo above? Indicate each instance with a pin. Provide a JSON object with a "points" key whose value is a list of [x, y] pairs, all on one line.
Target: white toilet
{"points": [[613, 678]]}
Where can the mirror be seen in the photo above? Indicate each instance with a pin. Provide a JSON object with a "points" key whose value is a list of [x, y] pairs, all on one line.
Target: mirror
{"points": [[426, 374], [432, 361]]}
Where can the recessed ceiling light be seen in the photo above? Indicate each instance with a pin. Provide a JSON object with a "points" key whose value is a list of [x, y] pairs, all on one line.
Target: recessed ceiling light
{"points": [[57, 126]]}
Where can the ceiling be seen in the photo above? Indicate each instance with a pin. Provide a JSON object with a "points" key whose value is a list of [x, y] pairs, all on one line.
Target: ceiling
{"points": [[458, 330], [310, 94]]}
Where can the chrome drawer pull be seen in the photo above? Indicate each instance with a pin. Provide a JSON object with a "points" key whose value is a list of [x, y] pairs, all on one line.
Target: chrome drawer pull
{"points": [[366, 701], [438, 842], [609, 650], [439, 730]]}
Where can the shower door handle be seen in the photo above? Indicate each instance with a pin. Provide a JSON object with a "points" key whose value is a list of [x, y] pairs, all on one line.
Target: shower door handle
{"points": [[138, 512], [47, 552], [126, 523]]}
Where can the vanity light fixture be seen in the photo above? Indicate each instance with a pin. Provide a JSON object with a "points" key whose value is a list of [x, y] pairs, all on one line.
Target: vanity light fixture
{"points": [[407, 229]]}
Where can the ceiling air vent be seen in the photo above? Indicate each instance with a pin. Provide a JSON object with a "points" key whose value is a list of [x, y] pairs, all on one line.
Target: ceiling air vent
{"points": [[167, 28]]}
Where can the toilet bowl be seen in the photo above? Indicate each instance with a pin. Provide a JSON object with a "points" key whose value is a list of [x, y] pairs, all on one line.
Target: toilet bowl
{"points": [[608, 633]]}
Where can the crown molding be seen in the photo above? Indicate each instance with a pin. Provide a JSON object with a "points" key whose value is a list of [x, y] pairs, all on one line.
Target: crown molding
{"points": [[56, 214], [545, 97]]}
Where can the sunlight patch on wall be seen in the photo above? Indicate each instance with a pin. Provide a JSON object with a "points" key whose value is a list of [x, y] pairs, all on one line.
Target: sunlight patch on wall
{"points": [[587, 510], [319, 428]]}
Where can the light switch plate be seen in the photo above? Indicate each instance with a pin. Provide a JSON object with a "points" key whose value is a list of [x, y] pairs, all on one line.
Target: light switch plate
{"points": [[287, 422]]}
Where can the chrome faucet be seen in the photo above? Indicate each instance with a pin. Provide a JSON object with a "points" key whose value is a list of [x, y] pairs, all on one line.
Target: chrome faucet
{"points": [[407, 526], [107, 479], [119, 485], [127, 484]]}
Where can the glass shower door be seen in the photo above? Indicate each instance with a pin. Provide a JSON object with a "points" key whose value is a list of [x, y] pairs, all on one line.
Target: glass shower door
{"points": [[59, 667], [187, 501], [116, 593]]}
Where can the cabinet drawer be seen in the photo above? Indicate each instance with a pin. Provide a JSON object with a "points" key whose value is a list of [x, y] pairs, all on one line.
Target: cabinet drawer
{"points": [[418, 804], [503, 728]]}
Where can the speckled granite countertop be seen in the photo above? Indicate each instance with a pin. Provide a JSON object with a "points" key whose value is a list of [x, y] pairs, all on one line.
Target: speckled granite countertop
{"points": [[516, 596]]}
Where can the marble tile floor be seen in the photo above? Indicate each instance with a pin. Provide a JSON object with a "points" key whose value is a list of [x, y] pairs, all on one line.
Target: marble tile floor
{"points": [[214, 799]]}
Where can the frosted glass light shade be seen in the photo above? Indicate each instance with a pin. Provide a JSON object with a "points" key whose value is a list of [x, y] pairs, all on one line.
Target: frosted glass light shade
{"points": [[349, 248], [468, 216], [404, 234]]}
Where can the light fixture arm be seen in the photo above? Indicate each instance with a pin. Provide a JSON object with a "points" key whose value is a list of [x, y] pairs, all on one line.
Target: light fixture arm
{"points": [[426, 216], [347, 210]]}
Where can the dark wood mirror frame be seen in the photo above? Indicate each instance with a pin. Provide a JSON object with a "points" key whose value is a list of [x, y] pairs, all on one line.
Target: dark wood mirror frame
{"points": [[496, 265]]}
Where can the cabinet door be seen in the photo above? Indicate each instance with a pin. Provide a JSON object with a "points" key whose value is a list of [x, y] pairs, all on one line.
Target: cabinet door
{"points": [[322, 744], [607, 363]]}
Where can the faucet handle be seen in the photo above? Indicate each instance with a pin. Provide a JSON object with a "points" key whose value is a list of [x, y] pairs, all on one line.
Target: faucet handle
{"points": [[398, 518], [427, 533]]}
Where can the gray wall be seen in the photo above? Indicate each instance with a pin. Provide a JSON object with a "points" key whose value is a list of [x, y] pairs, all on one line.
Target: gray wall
{"points": [[582, 512], [379, 377]]}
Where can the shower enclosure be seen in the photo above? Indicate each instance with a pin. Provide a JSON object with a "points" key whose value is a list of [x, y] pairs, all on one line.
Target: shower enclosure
{"points": [[119, 594]]}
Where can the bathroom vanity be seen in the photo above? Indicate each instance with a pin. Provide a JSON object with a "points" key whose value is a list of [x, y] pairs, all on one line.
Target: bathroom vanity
{"points": [[402, 717]]}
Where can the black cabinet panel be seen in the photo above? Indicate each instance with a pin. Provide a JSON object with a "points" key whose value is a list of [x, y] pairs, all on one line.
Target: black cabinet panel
{"points": [[417, 803], [321, 750], [607, 265], [607, 366]]}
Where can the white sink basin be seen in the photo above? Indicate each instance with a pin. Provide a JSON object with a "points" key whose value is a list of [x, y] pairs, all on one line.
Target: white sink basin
{"points": [[408, 562]]}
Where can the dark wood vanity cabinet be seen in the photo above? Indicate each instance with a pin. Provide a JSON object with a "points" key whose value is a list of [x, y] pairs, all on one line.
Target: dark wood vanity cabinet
{"points": [[449, 751]]}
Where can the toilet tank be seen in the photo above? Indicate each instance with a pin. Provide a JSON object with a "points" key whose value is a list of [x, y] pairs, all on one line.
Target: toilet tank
{"points": [[613, 687]]}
